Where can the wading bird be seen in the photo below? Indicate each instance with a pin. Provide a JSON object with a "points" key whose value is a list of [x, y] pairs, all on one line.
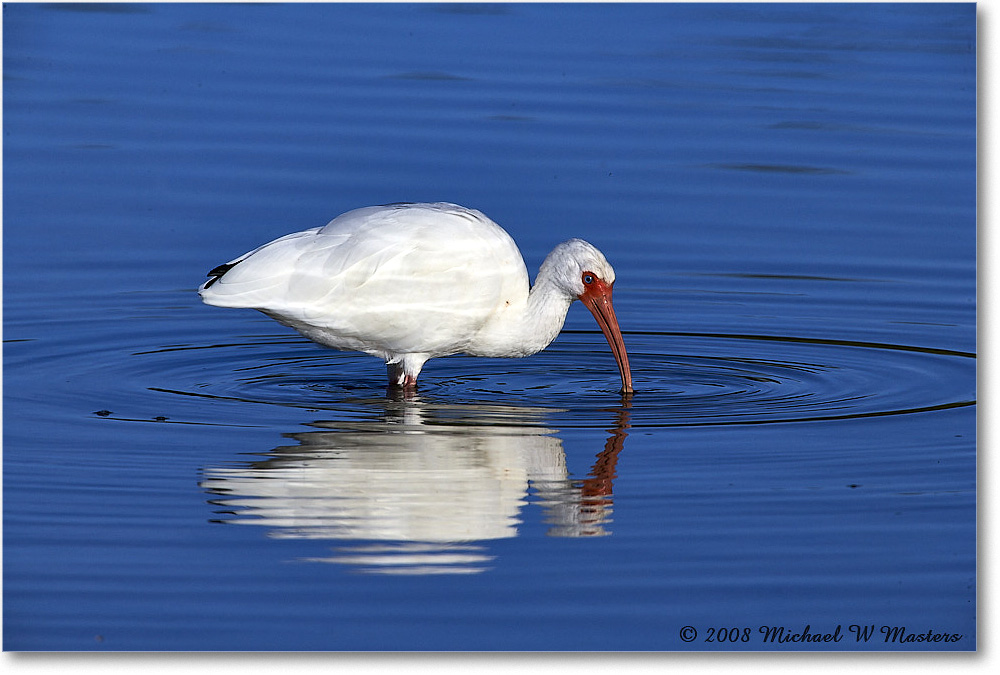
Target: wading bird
{"points": [[409, 282]]}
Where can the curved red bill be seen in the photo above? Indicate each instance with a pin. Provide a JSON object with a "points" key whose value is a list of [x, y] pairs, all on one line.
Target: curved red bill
{"points": [[597, 297]]}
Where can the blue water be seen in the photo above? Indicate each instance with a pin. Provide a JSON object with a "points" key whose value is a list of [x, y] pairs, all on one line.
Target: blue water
{"points": [[787, 193]]}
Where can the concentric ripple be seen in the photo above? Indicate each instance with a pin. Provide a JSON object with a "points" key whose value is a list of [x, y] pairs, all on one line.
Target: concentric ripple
{"points": [[680, 379]]}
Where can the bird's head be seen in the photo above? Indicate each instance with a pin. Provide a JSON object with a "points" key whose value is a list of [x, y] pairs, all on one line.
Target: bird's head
{"points": [[581, 271], [568, 262]]}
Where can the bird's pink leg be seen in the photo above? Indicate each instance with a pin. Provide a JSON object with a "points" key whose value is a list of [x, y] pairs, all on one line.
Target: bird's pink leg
{"points": [[398, 379]]}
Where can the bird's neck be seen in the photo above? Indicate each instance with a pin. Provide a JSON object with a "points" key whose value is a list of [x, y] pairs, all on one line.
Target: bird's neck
{"points": [[529, 326]]}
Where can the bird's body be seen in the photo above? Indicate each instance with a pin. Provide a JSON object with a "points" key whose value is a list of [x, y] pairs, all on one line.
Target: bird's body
{"points": [[409, 282]]}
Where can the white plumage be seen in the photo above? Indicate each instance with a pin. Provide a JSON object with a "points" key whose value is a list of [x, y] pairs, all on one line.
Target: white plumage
{"points": [[409, 282]]}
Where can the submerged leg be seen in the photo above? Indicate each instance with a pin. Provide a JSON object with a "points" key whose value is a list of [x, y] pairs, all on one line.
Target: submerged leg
{"points": [[399, 378], [404, 371]]}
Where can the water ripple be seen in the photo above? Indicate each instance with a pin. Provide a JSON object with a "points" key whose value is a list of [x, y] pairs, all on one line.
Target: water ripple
{"points": [[682, 379]]}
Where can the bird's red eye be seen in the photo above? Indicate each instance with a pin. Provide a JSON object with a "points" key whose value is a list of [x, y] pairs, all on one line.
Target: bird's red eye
{"points": [[588, 278]]}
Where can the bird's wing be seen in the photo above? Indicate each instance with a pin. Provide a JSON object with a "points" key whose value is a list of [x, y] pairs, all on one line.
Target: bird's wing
{"points": [[403, 278], [259, 277]]}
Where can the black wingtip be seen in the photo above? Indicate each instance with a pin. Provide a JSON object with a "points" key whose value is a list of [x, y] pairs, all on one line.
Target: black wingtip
{"points": [[218, 273]]}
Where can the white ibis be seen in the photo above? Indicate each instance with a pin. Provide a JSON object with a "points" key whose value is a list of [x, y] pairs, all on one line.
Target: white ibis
{"points": [[408, 282]]}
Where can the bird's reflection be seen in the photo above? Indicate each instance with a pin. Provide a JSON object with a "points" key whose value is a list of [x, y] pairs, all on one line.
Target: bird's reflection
{"points": [[423, 485]]}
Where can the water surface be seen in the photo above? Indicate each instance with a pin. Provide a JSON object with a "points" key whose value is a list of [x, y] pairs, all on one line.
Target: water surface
{"points": [[787, 193]]}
